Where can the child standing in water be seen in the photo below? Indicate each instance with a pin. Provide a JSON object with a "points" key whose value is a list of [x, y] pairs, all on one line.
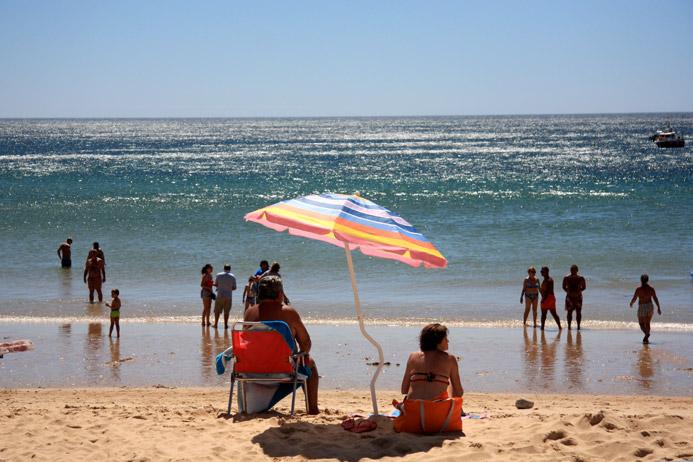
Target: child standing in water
{"points": [[645, 294], [249, 293], [115, 312]]}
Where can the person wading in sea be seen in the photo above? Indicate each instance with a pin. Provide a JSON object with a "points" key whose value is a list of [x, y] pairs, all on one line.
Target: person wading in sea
{"points": [[574, 285], [65, 253], [94, 275], [645, 294]]}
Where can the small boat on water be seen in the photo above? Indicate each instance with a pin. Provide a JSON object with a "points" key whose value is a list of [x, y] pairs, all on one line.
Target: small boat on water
{"points": [[668, 139]]}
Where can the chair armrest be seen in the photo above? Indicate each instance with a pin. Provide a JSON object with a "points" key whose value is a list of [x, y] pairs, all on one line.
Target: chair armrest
{"points": [[300, 357], [228, 353]]}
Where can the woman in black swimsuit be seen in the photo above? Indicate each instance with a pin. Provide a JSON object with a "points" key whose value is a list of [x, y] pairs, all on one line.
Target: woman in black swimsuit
{"points": [[432, 373], [530, 294]]}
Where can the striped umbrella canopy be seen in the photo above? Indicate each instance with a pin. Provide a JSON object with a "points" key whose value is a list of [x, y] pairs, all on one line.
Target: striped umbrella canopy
{"points": [[341, 219], [350, 221]]}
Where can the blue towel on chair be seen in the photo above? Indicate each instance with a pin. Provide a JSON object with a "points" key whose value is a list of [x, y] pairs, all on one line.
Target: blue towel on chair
{"points": [[221, 361]]}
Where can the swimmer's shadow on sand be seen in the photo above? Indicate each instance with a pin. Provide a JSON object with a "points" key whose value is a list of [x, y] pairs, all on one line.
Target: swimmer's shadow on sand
{"points": [[331, 441]]}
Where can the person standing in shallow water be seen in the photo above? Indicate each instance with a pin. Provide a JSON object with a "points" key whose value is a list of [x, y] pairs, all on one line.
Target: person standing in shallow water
{"points": [[548, 298], [645, 294], [206, 293], [99, 252], [115, 312], [574, 285], [65, 253], [226, 284], [530, 294], [94, 275]]}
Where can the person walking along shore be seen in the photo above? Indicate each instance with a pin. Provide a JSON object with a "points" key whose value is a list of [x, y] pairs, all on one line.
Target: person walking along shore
{"points": [[645, 294]]}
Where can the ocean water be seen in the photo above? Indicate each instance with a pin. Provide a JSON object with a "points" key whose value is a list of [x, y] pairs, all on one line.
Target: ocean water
{"points": [[494, 194]]}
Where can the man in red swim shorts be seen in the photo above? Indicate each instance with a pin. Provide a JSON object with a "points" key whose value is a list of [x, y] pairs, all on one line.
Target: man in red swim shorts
{"points": [[548, 299]]}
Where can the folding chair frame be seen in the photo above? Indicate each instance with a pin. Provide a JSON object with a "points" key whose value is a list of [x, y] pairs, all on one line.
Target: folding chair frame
{"points": [[297, 359]]}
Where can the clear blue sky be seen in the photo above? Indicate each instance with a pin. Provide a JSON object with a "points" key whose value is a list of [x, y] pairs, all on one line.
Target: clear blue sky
{"points": [[323, 58]]}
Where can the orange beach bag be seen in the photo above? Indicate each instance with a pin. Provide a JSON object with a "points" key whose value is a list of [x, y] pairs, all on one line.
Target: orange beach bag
{"points": [[429, 416]]}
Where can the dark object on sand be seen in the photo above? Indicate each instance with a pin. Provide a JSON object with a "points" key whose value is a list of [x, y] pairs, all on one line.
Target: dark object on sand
{"points": [[668, 139], [386, 363], [13, 347], [524, 404]]}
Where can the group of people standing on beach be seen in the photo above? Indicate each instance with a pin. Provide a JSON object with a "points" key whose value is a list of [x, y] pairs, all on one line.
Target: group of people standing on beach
{"points": [[94, 276], [573, 285], [225, 282]]}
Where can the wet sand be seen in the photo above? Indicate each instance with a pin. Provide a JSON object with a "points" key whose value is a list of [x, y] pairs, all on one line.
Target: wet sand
{"points": [[189, 424], [492, 359]]}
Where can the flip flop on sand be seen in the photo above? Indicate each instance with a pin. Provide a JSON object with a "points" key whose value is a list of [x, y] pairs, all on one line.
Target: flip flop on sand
{"points": [[359, 425], [484, 415]]}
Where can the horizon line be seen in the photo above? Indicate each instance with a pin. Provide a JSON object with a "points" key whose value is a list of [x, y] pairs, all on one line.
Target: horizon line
{"points": [[337, 116]]}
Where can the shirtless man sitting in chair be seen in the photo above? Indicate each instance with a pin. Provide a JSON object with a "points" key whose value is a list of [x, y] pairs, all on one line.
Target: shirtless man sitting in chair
{"points": [[271, 307]]}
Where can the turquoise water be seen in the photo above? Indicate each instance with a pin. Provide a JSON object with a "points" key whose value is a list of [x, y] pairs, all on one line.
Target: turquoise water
{"points": [[495, 194]]}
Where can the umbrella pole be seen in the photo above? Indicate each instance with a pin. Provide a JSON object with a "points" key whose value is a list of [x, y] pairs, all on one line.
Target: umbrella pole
{"points": [[359, 316]]}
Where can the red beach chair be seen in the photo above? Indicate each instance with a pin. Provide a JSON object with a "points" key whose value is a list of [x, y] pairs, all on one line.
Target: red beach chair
{"points": [[265, 354]]}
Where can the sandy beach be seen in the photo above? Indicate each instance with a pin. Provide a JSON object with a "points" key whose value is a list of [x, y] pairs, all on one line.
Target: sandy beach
{"points": [[158, 423]]}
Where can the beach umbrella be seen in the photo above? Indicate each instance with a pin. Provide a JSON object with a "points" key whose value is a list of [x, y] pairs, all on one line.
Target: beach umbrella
{"points": [[353, 222]]}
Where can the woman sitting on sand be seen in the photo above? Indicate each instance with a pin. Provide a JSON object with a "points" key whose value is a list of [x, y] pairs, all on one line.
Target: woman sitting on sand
{"points": [[431, 373], [431, 376]]}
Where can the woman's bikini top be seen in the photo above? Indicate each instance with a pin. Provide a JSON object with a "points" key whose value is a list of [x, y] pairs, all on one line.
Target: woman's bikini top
{"points": [[532, 285], [207, 282], [429, 377]]}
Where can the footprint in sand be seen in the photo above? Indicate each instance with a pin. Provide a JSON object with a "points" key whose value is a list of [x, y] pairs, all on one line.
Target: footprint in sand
{"points": [[642, 452], [595, 419], [609, 426], [555, 435]]}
